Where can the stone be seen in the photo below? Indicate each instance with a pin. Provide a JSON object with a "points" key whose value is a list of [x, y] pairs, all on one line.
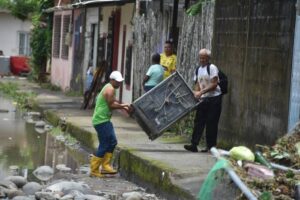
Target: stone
{"points": [[43, 173], [63, 168], [132, 196], [31, 188], [46, 196], [90, 197], [11, 193], [8, 184], [19, 181], [21, 198], [40, 124], [67, 186]]}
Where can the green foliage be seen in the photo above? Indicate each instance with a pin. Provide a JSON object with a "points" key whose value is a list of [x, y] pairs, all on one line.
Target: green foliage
{"points": [[41, 39], [21, 9], [185, 125], [11, 90], [195, 9], [41, 34], [49, 86]]}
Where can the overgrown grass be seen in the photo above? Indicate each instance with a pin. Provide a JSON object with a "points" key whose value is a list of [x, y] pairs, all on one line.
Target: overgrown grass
{"points": [[56, 131], [49, 86], [11, 90], [72, 93]]}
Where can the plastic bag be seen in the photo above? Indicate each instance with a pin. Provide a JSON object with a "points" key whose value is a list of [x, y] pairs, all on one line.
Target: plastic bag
{"points": [[241, 153]]}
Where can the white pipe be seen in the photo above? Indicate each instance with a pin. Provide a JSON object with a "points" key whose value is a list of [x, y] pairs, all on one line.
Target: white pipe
{"points": [[234, 177]]}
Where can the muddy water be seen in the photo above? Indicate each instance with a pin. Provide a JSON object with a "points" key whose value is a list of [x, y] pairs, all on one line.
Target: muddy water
{"points": [[22, 149]]}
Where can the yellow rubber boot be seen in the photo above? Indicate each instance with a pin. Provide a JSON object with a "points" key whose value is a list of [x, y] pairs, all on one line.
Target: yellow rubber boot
{"points": [[106, 167], [95, 163]]}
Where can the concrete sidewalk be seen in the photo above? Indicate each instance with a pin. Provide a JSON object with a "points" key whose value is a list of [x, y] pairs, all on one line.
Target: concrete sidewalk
{"points": [[161, 165]]}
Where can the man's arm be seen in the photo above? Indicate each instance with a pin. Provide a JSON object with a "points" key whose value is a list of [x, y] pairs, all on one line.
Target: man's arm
{"points": [[109, 95], [146, 78], [211, 86]]}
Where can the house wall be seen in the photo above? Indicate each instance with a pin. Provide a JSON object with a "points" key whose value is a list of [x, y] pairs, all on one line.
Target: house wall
{"points": [[61, 69], [126, 17], [9, 40], [92, 17], [253, 45]]}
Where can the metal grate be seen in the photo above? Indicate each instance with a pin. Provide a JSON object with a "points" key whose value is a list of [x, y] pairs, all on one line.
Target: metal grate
{"points": [[65, 40], [56, 37], [165, 104]]}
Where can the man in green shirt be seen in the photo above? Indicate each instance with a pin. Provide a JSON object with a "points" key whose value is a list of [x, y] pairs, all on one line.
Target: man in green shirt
{"points": [[106, 102]]}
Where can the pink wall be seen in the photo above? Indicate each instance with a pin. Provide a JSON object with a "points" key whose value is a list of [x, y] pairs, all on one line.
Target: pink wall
{"points": [[61, 69]]}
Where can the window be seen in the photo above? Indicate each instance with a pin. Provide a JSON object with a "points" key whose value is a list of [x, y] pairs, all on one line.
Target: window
{"points": [[56, 37], [65, 37], [24, 44]]}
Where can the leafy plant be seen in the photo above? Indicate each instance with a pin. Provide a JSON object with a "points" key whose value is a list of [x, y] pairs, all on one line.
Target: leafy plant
{"points": [[195, 9], [21, 9]]}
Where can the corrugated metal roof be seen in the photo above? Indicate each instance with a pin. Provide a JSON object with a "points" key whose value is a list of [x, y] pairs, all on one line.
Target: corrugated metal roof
{"points": [[88, 3]]}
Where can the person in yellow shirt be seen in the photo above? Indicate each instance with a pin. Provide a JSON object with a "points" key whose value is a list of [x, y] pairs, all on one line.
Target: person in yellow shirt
{"points": [[168, 59]]}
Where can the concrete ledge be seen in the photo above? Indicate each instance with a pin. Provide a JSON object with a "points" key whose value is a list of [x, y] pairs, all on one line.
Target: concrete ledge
{"points": [[150, 173], [133, 166]]}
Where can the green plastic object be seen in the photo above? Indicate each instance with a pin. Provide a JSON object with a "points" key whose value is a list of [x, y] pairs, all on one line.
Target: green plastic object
{"points": [[261, 159], [213, 178]]}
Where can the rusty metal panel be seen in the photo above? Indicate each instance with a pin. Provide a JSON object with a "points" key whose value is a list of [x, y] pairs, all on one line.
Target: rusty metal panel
{"points": [[162, 106], [294, 113], [253, 45]]}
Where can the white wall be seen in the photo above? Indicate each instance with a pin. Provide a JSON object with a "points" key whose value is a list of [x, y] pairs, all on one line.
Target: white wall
{"points": [[92, 15], [9, 28], [126, 16]]}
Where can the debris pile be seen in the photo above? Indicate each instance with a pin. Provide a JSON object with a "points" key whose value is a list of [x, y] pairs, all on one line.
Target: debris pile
{"points": [[275, 173]]}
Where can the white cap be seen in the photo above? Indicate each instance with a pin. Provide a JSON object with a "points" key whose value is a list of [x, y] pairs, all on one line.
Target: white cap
{"points": [[117, 76]]}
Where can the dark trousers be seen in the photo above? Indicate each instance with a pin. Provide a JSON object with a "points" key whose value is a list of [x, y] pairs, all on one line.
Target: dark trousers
{"points": [[107, 138], [207, 116]]}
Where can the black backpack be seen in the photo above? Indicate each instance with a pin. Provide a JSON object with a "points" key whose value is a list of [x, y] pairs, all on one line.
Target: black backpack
{"points": [[223, 81]]}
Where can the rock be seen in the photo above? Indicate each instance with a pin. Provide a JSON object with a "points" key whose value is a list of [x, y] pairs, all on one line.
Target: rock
{"points": [[85, 169], [14, 169], [151, 196], [47, 196], [31, 188], [19, 181], [67, 186], [8, 184], [90, 197], [30, 121], [2, 193], [63, 168], [40, 130], [132, 196], [21, 198], [44, 173], [40, 124], [72, 195], [38, 114], [11, 193]]}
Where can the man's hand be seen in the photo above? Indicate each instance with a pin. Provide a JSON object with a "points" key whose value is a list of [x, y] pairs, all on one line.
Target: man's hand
{"points": [[128, 108], [197, 94]]}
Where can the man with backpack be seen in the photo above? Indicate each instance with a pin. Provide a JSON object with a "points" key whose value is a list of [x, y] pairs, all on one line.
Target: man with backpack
{"points": [[208, 91]]}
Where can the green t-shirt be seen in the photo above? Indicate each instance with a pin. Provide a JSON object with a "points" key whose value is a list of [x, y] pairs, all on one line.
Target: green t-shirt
{"points": [[156, 75], [102, 112]]}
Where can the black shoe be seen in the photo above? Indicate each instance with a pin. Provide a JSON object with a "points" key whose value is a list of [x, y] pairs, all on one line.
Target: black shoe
{"points": [[191, 148], [204, 150]]}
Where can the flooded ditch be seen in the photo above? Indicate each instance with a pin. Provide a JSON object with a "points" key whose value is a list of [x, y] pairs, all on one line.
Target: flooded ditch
{"points": [[25, 148]]}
